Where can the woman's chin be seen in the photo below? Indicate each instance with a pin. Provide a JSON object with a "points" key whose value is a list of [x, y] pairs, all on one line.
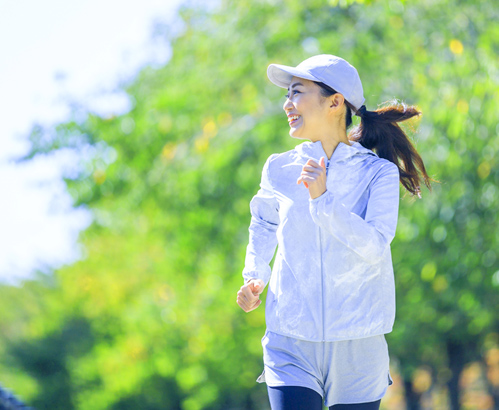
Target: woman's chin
{"points": [[295, 133]]}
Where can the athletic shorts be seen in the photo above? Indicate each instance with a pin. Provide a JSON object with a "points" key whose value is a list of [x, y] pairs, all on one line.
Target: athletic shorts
{"points": [[347, 371]]}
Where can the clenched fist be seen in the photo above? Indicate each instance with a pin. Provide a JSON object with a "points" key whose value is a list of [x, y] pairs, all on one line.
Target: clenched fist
{"points": [[313, 176], [248, 297]]}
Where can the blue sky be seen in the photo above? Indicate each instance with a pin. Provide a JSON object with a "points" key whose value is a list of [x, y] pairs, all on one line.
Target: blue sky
{"points": [[52, 52]]}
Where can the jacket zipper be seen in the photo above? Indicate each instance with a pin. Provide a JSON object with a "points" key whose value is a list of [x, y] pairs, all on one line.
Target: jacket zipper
{"points": [[322, 287], [322, 275]]}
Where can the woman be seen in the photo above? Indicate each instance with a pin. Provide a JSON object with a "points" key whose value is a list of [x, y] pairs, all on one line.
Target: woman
{"points": [[331, 204]]}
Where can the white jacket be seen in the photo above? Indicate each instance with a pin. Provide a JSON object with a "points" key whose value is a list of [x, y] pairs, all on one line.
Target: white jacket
{"points": [[332, 277]]}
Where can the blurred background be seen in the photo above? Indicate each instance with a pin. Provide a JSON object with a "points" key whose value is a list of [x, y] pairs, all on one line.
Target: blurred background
{"points": [[133, 140]]}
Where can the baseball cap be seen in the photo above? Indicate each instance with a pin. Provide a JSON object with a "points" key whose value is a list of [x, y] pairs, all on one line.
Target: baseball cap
{"points": [[325, 68]]}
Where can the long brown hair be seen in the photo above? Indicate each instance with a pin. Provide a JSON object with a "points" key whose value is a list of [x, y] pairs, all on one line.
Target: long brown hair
{"points": [[378, 131]]}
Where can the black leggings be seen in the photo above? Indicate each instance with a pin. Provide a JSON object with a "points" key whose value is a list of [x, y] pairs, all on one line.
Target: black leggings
{"points": [[302, 398]]}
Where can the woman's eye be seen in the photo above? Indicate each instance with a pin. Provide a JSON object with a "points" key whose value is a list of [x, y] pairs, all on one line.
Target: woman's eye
{"points": [[292, 93]]}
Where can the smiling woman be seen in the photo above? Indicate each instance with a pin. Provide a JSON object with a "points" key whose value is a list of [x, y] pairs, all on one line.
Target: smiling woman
{"points": [[331, 296]]}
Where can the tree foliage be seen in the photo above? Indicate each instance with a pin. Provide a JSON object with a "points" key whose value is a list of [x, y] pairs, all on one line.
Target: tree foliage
{"points": [[148, 319]]}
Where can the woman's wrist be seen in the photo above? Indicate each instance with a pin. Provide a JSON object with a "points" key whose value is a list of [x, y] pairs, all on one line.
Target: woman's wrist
{"points": [[315, 195]]}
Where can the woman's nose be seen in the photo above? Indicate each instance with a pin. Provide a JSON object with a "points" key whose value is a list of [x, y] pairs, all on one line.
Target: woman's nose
{"points": [[287, 105]]}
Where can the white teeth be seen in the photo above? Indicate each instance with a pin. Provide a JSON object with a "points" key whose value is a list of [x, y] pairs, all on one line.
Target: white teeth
{"points": [[293, 117]]}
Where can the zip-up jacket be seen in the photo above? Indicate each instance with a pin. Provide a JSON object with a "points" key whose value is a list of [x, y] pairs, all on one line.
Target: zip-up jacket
{"points": [[332, 277]]}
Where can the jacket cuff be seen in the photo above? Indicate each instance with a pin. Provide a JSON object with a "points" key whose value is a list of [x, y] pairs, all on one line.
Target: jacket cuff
{"points": [[319, 198], [247, 276]]}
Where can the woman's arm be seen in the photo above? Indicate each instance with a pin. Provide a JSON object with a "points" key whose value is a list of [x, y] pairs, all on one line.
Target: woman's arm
{"points": [[369, 237], [262, 230]]}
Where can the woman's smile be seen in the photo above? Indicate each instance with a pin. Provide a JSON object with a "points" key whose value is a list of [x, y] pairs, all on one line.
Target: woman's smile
{"points": [[293, 119]]}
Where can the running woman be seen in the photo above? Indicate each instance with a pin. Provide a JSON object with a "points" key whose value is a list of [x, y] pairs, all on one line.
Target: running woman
{"points": [[331, 206]]}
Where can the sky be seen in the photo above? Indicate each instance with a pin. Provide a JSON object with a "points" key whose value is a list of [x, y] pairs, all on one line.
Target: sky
{"points": [[52, 53]]}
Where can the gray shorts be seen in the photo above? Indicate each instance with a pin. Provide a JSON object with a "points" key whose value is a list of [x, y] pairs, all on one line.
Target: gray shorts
{"points": [[347, 371]]}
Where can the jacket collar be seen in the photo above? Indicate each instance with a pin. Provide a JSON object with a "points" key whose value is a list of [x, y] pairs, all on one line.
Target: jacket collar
{"points": [[342, 153]]}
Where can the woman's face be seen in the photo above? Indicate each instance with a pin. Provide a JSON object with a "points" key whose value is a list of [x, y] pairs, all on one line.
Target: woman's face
{"points": [[307, 110]]}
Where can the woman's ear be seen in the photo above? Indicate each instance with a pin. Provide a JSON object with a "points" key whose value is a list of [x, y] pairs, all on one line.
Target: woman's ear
{"points": [[336, 101]]}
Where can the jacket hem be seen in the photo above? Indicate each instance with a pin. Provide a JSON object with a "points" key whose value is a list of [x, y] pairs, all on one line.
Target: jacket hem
{"points": [[332, 339]]}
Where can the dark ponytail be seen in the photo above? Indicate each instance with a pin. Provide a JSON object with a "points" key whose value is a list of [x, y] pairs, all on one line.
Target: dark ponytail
{"points": [[379, 131]]}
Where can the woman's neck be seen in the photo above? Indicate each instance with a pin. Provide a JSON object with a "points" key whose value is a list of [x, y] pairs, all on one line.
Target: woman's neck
{"points": [[330, 142]]}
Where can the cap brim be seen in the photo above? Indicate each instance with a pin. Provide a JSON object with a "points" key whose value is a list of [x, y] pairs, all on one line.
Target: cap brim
{"points": [[281, 75]]}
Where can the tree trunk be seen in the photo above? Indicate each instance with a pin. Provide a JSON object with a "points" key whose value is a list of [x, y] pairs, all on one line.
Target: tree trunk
{"points": [[456, 354], [411, 397]]}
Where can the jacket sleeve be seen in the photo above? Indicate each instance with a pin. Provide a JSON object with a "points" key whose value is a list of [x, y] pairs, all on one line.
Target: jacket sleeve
{"points": [[262, 230], [369, 237]]}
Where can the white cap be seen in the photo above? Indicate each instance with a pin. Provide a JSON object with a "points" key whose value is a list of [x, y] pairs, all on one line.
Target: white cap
{"points": [[325, 68]]}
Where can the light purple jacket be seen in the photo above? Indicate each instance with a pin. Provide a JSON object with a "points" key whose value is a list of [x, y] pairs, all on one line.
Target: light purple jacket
{"points": [[332, 277]]}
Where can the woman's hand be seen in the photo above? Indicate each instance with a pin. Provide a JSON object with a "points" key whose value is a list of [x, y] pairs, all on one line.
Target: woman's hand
{"points": [[248, 297], [313, 176]]}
